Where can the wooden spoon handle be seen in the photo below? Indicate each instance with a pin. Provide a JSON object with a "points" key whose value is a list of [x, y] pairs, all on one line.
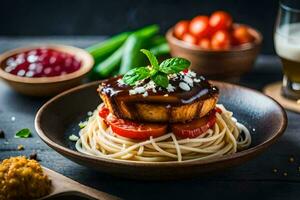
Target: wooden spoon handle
{"points": [[90, 192], [62, 185]]}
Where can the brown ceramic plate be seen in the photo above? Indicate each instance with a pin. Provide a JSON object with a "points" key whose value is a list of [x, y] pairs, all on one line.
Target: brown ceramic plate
{"points": [[60, 116]]}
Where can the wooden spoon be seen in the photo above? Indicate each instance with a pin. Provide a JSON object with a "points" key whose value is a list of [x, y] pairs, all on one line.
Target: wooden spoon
{"points": [[62, 185]]}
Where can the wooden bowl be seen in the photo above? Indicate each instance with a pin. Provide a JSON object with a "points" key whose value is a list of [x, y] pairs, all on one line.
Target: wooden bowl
{"points": [[47, 86], [58, 119], [217, 64]]}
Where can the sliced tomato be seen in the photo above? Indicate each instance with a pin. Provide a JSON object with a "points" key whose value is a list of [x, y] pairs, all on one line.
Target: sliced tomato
{"points": [[132, 130], [194, 128], [104, 112]]}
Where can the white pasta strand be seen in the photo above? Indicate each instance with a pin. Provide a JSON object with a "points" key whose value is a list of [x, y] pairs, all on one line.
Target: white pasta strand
{"points": [[226, 137]]}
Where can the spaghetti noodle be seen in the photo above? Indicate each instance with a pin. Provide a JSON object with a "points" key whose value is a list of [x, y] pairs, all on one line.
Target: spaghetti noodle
{"points": [[226, 137]]}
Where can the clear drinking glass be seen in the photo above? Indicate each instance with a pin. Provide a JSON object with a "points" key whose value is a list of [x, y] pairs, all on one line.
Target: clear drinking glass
{"points": [[287, 46]]}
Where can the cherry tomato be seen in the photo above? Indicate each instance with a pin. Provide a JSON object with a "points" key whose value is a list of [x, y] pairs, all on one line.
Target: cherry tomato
{"points": [[204, 43], [220, 40], [220, 20], [194, 128], [199, 26], [241, 35], [180, 28], [189, 38], [132, 130]]}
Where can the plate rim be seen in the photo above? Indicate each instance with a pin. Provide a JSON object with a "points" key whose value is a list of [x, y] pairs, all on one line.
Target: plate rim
{"points": [[248, 152]]}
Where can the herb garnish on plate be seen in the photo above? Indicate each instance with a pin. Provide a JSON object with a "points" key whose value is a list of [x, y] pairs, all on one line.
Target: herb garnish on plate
{"points": [[23, 133]]}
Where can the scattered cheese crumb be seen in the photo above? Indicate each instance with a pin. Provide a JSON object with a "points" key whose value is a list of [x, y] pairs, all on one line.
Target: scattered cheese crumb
{"points": [[132, 92], [275, 170], [20, 147], [166, 95], [196, 80], [90, 113], [291, 159], [184, 86], [13, 118], [120, 81], [171, 88], [285, 173], [191, 73], [188, 80], [73, 138], [145, 94], [140, 90]]}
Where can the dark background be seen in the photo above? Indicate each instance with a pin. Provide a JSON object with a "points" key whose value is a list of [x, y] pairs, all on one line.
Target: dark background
{"points": [[107, 17]]}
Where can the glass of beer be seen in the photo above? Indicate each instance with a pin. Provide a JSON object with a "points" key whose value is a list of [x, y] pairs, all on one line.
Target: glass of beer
{"points": [[287, 46]]}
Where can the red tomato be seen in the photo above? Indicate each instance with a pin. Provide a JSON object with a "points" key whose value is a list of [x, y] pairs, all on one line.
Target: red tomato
{"points": [[199, 26], [189, 38], [103, 112], [220, 20], [136, 131], [180, 28], [220, 40], [194, 128], [204, 43], [241, 35]]}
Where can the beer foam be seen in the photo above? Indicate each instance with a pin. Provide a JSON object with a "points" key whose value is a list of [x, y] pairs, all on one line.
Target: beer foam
{"points": [[287, 41]]}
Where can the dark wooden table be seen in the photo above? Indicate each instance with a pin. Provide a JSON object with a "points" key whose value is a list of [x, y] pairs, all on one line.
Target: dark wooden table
{"points": [[253, 180]]}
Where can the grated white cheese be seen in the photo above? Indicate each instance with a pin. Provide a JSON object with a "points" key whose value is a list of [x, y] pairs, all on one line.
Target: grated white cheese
{"points": [[184, 86], [191, 73], [145, 94], [140, 90], [171, 88], [196, 80], [132, 92], [188, 80], [120, 81]]}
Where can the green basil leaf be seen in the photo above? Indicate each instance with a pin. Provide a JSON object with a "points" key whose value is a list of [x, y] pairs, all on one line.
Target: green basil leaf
{"points": [[136, 74], [151, 58], [174, 65], [24, 133], [160, 79]]}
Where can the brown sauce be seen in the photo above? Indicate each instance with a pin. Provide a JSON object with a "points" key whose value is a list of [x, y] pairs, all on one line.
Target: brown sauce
{"points": [[200, 91]]}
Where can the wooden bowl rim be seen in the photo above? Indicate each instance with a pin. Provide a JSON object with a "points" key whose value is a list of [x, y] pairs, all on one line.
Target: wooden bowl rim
{"points": [[86, 66], [75, 154], [244, 47]]}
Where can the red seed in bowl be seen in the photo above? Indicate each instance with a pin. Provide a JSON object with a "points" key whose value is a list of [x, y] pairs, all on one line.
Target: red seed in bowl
{"points": [[42, 62]]}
